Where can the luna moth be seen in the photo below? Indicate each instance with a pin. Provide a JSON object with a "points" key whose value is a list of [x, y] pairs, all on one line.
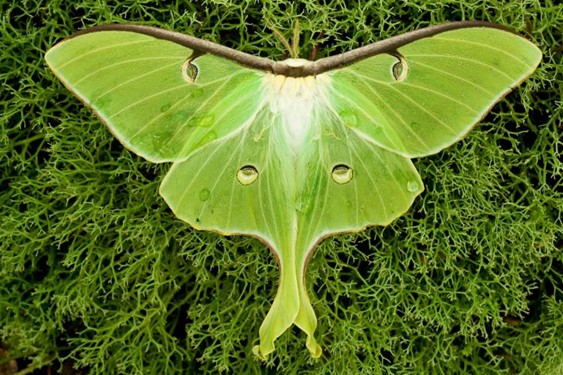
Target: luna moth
{"points": [[291, 151]]}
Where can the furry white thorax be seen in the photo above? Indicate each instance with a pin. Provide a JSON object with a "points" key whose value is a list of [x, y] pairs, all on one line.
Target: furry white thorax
{"points": [[296, 100]]}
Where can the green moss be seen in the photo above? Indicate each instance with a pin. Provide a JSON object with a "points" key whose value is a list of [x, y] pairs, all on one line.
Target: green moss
{"points": [[96, 273]]}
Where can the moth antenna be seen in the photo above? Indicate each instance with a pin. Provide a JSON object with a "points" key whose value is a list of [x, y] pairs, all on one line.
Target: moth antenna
{"points": [[315, 50], [295, 40], [281, 38]]}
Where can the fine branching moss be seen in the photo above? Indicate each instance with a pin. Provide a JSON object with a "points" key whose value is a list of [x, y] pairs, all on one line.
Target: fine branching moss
{"points": [[97, 276]]}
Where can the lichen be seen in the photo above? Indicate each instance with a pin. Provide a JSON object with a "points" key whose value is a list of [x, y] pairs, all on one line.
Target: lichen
{"points": [[97, 274]]}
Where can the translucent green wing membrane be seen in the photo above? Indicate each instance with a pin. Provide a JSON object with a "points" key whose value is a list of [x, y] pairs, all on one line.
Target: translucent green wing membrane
{"points": [[141, 88], [432, 92], [291, 152], [249, 184]]}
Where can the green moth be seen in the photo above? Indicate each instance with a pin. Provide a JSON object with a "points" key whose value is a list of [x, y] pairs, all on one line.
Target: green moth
{"points": [[291, 151]]}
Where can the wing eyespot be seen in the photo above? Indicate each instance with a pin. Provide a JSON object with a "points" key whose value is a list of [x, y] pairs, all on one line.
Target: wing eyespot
{"points": [[400, 69], [189, 71], [342, 174], [247, 175]]}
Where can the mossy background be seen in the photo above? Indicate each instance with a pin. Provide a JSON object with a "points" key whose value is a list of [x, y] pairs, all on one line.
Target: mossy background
{"points": [[97, 276]]}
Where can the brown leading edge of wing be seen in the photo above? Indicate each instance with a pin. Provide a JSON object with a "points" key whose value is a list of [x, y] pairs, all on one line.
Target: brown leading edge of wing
{"points": [[200, 46], [281, 67], [390, 45]]}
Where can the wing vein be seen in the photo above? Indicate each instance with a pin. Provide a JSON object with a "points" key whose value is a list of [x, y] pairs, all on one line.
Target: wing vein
{"points": [[490, 47], [180, 128], [374, 184], [322, 162], [450, 57], [389, 128], [195, 178], [456, 77], [96, 50], [438, 93], [410, 99], [105, 67], [275, 231], [357, 205]]}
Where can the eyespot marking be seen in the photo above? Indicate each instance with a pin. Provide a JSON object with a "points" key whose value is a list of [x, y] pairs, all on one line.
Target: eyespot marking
{"points": [[247, 175], [189, 71], [400, 69], [342, 174]]}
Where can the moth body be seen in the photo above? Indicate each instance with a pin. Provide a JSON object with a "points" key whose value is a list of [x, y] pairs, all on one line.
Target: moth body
{"points": [[296, 100]]}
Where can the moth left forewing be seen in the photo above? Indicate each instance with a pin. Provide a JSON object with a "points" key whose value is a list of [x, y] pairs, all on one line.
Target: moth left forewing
{"points": [[136, 85]]}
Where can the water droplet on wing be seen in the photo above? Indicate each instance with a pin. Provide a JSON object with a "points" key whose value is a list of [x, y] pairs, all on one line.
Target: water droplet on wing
{"points": [[413, 186], [342, 174], [247, 175], [196, 93], [349, 118], [204, 195], [303, 203], [204, 121], [207, 138]]}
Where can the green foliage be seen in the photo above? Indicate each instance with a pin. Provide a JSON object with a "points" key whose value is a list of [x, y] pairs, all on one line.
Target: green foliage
{"points": [[96, 273]]}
